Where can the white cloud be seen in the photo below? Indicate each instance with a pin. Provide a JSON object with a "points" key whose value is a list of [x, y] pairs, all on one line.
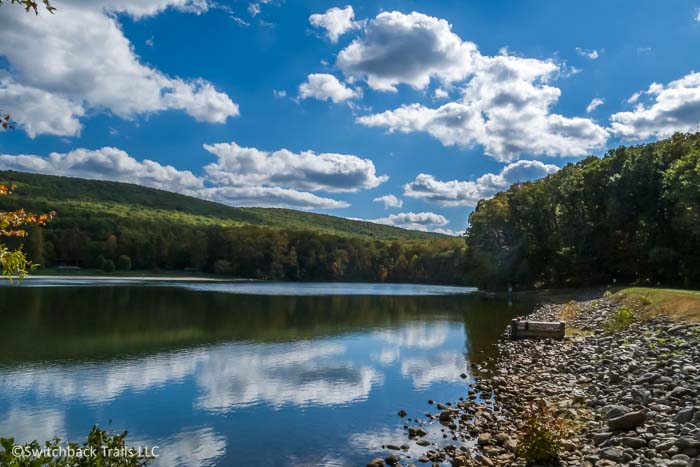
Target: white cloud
{"points": [[412, 49], [330, 172], [468, 193], [440, 93], [425, 371], [106, 164], [595, 103], [697, 15], [266, 196], [389, 201], [78, 59], [416, 336], [240, 166], [188, 448], [635, 97], [413, 221], [591, 54], [325, 87], [506, 100], [279, 93], [40, 112], [336, 22], [674, 107], [253, 9]]}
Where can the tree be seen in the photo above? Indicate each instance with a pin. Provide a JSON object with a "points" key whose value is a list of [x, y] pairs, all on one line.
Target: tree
{"points": [[30, 5], [15, 262], [124, 263]]}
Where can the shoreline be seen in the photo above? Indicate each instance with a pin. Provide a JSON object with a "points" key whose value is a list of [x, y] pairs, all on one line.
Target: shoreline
{"points": [[613, 392]]}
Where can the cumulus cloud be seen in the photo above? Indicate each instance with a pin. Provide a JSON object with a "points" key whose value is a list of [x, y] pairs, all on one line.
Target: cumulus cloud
{"points": [[78, 59], [336, 22], [671, 108], [468, 193], [697, 15], [325, 87], [591, 54], [266, 196], [106, 164], [506, 100], [595, 103], [240, 177], [411, 49], [413, 221], [389, 201], [240, 166]]}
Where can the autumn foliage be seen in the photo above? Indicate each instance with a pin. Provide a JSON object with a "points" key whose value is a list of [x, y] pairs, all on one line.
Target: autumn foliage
{"points": [[12, 223]]}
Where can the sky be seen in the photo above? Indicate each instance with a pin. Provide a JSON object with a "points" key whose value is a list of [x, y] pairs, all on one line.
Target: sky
{"points": [[400, 112]]}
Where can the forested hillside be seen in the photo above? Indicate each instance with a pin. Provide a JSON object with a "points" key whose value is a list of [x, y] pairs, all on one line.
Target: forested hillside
{"points": [[110, 225], [632, 216]]}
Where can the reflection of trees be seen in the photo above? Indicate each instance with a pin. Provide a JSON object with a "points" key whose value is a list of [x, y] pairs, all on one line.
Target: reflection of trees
{"points": [[102, 322], [485, 322]]}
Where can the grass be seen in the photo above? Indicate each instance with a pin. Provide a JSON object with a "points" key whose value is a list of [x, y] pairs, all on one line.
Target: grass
{"points": [[674, 303]]}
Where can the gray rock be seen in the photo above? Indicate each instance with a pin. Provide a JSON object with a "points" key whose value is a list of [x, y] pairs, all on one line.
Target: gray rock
{"points": [[629, 421], [684, 415], [647, 378], [634, 443], [378, 462], [613, 454], [616, 411]]}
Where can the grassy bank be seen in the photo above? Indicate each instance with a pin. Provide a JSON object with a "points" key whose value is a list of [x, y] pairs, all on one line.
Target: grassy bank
{"points": [[675, 303]]}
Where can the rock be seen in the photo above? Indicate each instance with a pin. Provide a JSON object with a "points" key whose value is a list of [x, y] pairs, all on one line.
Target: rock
{"points": [[567, 445], [391, 460], [634, 443], [423, 442], [598, 438], [416, 431], [679, 392], [484, 439], [613, 454], [463, 376], [460, 461], [684, 415], [393, 447], [483, 460], [616, 411], [377, 462], [402, 413], [647, 378], [629, 421], [446, 416]]}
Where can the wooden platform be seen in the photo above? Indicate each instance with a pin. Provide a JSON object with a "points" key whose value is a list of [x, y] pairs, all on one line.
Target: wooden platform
{"points": [[524, 329]]}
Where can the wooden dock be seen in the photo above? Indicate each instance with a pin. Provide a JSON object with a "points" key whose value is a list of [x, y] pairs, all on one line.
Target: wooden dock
{"points": [[524, 329]]}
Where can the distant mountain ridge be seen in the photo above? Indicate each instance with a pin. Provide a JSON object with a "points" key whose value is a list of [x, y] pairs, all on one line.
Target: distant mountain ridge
{"points": [[72, 197]]}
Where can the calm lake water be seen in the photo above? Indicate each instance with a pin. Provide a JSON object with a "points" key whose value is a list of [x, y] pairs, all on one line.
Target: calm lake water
{"points": [[237, 374]]}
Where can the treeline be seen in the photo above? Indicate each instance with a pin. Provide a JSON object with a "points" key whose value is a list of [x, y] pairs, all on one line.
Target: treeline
{"points": [[246, 251], [632, 216]]}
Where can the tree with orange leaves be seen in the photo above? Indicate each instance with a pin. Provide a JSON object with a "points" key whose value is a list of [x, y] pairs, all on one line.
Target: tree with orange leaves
{"points": [[14, 262]]}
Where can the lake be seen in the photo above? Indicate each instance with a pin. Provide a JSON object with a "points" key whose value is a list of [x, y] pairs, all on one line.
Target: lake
{"points": [[238, 373]]}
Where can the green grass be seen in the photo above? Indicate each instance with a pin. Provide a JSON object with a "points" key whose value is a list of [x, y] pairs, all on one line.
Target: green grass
{"points": [[128, 204], [675, 303]]}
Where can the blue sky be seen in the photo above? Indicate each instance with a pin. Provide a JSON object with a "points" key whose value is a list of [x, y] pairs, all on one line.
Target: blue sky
{"points": [[424, 107]]}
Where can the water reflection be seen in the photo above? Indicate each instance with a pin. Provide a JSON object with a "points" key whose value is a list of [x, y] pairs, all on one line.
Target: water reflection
{"points": [[210, 376]]}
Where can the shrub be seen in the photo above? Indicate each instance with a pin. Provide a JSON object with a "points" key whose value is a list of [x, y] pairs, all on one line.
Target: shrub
{"points": [[108, 265], [621, 319], [541, 441], [124, 263], [570, 310], [110, 450]]}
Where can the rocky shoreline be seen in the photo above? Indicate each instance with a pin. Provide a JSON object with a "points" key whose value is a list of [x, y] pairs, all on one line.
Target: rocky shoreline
{"points": [[615, 391]]}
